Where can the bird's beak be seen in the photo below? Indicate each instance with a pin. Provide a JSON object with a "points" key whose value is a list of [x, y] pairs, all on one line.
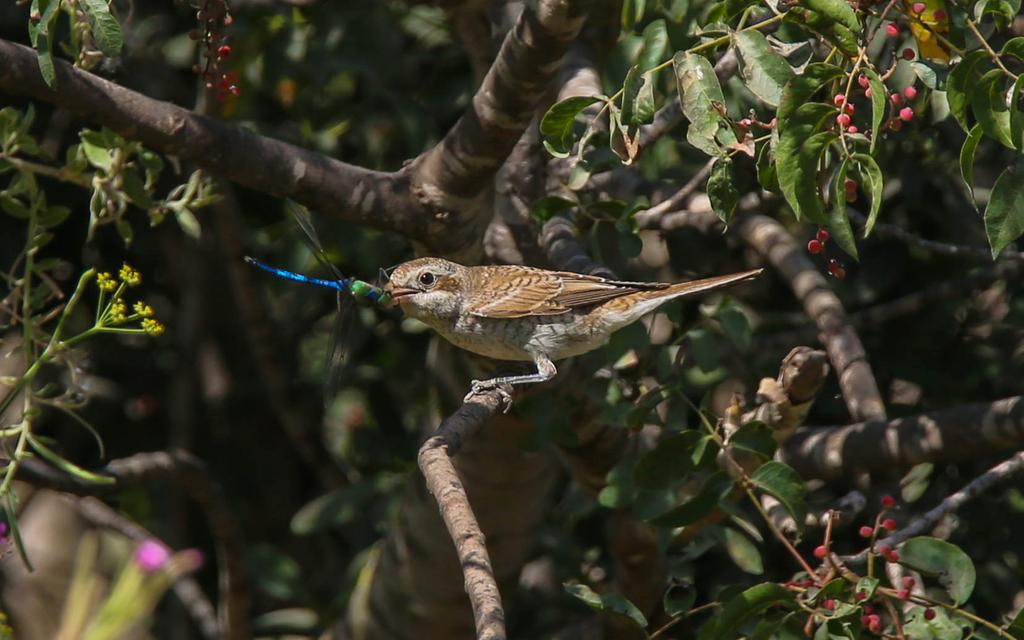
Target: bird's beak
{"points": [[397, 293]]}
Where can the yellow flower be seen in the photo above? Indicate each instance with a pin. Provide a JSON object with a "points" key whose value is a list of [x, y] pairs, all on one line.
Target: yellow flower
{"points": [[106, 282], [118, 311], [142, 309], [129, 275], [152, 327]]}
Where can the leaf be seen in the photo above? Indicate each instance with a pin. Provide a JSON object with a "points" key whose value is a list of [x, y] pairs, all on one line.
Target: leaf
{"points": [[767, 176], [1016, 116], [947, 562], [655, 45], [41, 36], [989, 106], [556, 125], [14, 206], [745, 605], [836, 10], [716, 487], [1016, 626], [632, 13], [878, 104], [722, 189], [548, 206], [1004, 215], [799, 89], [799, 154], [838, 221], [765, 71], [933, 75], [871, 175], [275, 573], [679, 598], [95, 148], [836, 33], [756, 437], [637, 98], [736, 326], [53, 215], [669, 461], [915, 482], [607, 603], [961, 83], [743, 552], [782, 482], [106, 30], [703, 103], [967, 153], [867, 586]]}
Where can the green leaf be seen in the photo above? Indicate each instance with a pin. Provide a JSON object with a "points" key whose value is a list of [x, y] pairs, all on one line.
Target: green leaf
{"points": [[106, 30], [756, 437], [838, 221], [548, 206], [679, 598], [743, 552], [95, 148], [14, 206], [41, 35], [1004, 215], [765, 71], [66, 465], [837, 11], [637, 98], [1014, 47], [915, 482], [722, 189], [632, 13], [556, 125], [767, 176], [947, 562], [867, 586], [989, 106], [53, 215], [655, 46], [878, 104], [736, 326], [836, 33], [716, 487], [798, 155], [703, 103], [961, 84], [932, 74], [607, 603], [967, 159], [671, 460], [1016, 626], [799, 89], [871, 175], [1016, 116], [275, 573], [746, 605], [782, 482]]}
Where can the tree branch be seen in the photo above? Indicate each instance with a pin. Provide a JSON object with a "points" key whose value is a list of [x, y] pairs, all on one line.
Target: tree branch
{"points": [[925, 523], [957, 433], [444, 484], [842, 343]]}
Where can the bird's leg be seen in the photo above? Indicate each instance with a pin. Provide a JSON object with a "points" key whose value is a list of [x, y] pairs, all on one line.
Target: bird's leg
{"points": [[545, 371]]}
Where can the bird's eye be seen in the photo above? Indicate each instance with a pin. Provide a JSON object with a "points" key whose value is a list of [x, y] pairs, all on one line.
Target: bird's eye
{"points": [[427, 279]]}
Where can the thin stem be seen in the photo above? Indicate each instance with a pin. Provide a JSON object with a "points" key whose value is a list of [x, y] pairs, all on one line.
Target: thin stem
{"points": [[674, 621], [58, 173], [778, 533], [991, 52]]}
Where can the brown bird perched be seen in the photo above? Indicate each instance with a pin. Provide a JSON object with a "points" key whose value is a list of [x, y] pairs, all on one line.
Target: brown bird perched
{"points": [[524, 313]]}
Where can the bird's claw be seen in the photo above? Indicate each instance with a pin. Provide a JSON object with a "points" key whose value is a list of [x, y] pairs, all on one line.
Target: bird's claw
{"points": [[482, 386]]}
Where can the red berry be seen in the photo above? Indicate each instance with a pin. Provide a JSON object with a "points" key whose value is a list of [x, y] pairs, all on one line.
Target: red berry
{"points": [[908, 54], [851, 196], [867, 92], [892, 30], [884, 550], [819, 551], [895, 125], [235, 91], [866, 531], [814, 248], [837, 271], [918, 7], [908, 582], [889, 524], [894, 556], [823, 234], [839, 99], [863, 81], [850, 108], [896, 99], [843, 120], [829, 604], [940, 15], [860, 595], [852, 129], [224, 51], [865, 620], [929, 614], [906, 114], [876, 625], [910, 93], [903, 594], [868, 609]]}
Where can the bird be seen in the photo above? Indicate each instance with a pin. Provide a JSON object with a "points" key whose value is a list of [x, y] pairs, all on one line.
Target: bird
{"points": [[521, 313]]}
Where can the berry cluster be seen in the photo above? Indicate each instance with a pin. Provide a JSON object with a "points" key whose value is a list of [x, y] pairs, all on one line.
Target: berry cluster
{"points": [[817, 244], [213, 17]]}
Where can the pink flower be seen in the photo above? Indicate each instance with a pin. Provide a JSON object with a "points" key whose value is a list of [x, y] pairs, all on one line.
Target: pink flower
{"points": [[151, 555]]}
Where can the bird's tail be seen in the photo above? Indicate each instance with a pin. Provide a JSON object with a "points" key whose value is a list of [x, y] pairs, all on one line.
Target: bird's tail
{"points": [[705, 284]]}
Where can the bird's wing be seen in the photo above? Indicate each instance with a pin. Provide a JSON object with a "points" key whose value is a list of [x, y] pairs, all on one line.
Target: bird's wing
{"points": [[515, 292]]}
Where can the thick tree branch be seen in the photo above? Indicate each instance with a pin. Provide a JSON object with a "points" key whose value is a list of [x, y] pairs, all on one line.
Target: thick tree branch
{"points": [[192, 473], [842, 343], [958, 433], [925, 523], [373, 198], [446, 487]]}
